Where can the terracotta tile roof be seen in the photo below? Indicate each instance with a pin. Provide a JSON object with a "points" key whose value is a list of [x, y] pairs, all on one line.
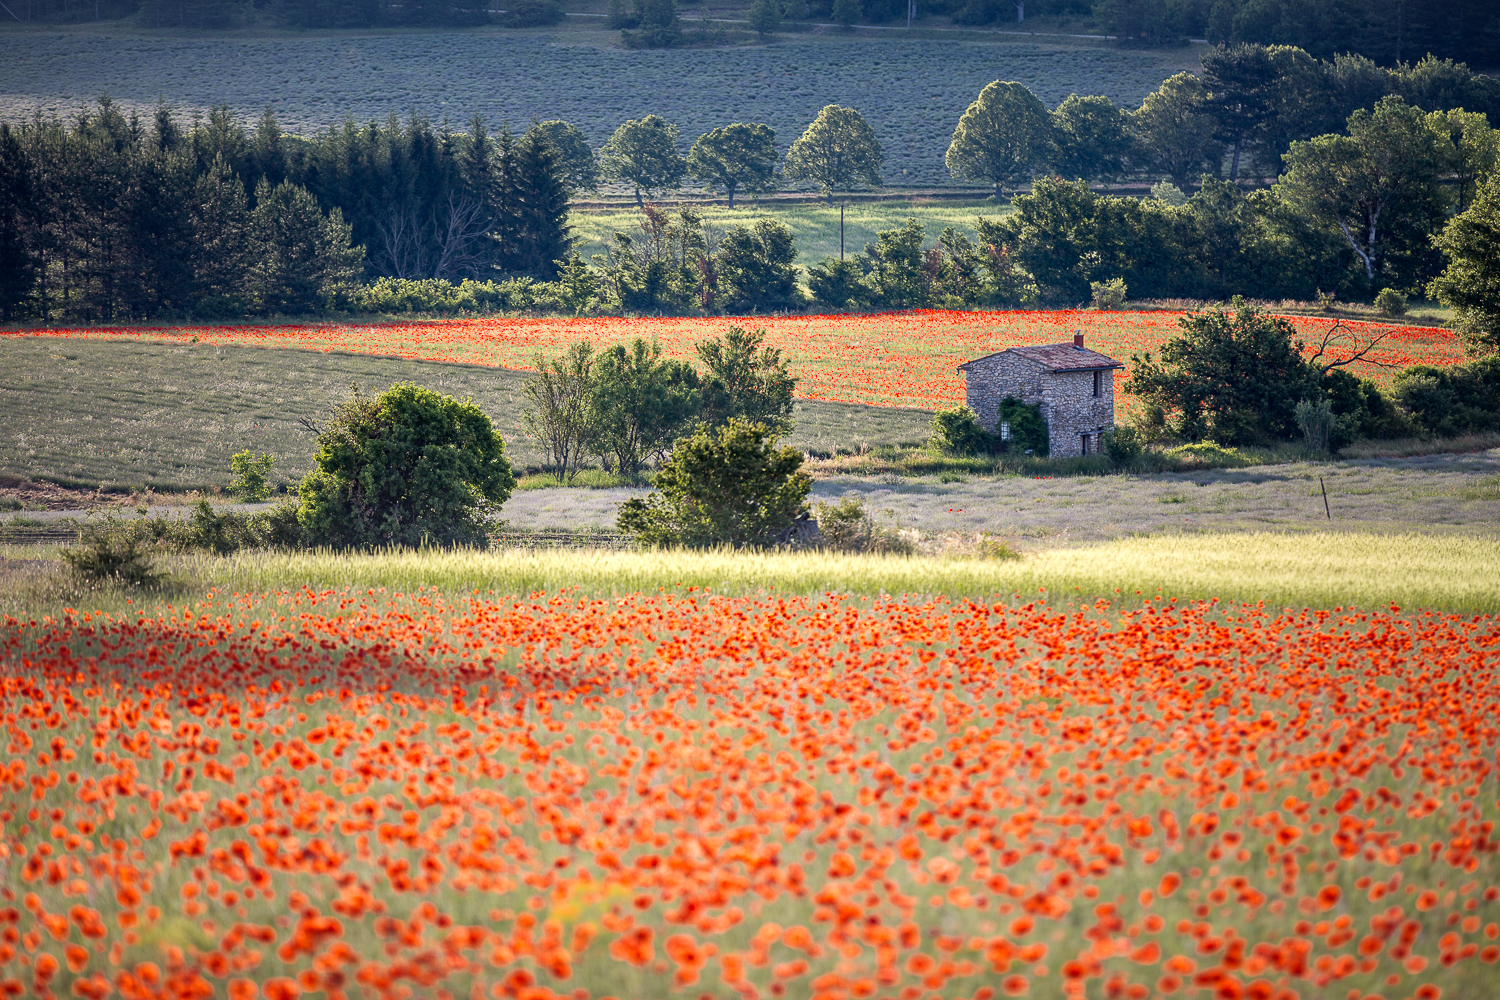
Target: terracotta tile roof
{"points": [[1063, 357]]}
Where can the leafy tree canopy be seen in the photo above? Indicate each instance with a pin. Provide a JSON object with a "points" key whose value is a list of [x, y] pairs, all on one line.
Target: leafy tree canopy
{"points": [[643, 152], [746, 380], [727, 485], [408, 467], [1471, 281], [735, 158], [579, 166], [1003, 136], [838, 151]]}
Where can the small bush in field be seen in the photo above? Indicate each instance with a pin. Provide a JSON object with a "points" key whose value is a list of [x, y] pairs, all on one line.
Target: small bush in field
{"points": [[107, 554], [407, 467], [728, 485], [251, 476], [1108, 295], [1124, 446], [1390, 302]]}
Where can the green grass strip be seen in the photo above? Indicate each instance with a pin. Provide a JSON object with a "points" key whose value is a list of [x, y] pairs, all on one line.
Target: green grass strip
{"points": [[1454, 573]]}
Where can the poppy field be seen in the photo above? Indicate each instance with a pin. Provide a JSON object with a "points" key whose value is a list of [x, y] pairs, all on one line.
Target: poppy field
{"points": [[371, 794], [906, 359]]}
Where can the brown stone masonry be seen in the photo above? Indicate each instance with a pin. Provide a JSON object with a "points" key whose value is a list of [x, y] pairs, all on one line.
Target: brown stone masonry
{"points": [[1075, 387]]}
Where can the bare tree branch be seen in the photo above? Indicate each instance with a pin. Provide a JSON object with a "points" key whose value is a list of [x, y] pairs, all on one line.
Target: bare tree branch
{"points": [[1338, 332], [404, 245], [310, 425], [461, 237]]}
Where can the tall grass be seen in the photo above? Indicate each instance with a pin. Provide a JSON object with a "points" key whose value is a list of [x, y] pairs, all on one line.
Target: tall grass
{"points": [[1457, 573]]}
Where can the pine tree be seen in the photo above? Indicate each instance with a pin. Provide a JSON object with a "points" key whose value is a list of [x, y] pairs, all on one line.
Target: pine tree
{"points": [[221, 221], [18, 263], [539, 206]]}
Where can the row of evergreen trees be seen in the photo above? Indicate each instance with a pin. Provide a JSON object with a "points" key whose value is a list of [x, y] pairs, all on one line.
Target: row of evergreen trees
{"points": [[112, 217]]}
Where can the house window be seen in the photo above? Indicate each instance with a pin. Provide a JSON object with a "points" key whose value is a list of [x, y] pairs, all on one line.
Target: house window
{"points": [[1004, 431], [1098, 382], [1085, 439]]}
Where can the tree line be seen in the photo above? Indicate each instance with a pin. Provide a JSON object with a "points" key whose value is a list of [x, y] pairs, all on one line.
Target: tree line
{"points": [[114, 217], [626, 404]]}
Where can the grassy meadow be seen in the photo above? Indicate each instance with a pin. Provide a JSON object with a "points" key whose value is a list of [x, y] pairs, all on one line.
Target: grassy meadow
{"points": [[315, 81], [815, 226], [1457, 573], [133, 414]]}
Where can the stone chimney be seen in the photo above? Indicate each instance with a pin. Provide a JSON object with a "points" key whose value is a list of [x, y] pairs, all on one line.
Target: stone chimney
{"points": [[1078, 340]]}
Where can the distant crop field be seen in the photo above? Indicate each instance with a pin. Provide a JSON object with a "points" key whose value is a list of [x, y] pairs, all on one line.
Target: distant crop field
{"points": [[912, 92], [906, 359], [169, 414], [815, 226]]}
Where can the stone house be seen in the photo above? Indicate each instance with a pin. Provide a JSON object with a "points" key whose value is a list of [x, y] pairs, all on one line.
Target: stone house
{"points": [[1075, 387]]}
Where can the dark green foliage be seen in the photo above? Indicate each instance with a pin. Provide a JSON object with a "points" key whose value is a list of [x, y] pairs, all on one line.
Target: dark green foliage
{"points": [[18, 262], [124, 551], [835, 283], [1388, 31], [1377, 186], [957, 432], [250, 484], [735, 158], [1019, 429], [895, 277], [838, 151], [1234, 377], [300, 260], [1174, 133], [408, 467], [755, 268], [643, 152], [764, 17], [1002, 138], [727, 485], [1124, 446], [537, 234], [1471, 281], [107, 554], [579, 167], [1239, 91], [532, 13], [1444, 402], [125, 219], [1066, 237], [745, 380], [658, 24], [1090, 139], [640, 403]]}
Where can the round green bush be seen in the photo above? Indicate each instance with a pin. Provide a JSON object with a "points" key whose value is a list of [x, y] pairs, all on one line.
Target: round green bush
{"points": [[409, 467]]}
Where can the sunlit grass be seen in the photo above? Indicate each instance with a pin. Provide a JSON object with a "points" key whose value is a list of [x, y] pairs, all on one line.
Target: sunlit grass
{"points": [[1458, 573]]}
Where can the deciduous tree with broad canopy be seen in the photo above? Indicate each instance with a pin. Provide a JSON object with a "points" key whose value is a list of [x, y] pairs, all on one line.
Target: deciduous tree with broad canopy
{"points": [[1004, 135], [728, 485], [643, 152], [1471, 281], [735, 158], [408, 467], [1364, 182], [838, 151]]}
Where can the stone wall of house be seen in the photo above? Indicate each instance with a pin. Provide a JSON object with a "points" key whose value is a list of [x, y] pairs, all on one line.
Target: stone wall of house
{"points": [[1068, 402], [1072, 410], [989, 380]]}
